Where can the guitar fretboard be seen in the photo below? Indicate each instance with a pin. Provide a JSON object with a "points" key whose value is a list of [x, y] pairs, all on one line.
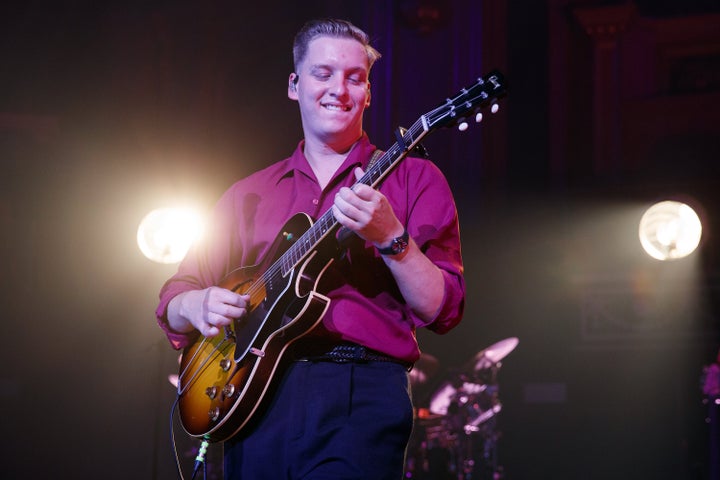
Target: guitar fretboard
{"points": [[484, 91], [327, 223]]}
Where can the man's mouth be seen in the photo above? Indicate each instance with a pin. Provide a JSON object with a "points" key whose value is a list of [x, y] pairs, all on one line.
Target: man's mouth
{"points": [[336, 108]]}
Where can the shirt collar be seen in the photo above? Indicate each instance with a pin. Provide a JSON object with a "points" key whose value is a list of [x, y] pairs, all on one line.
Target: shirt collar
{"points": [[359, 156]]}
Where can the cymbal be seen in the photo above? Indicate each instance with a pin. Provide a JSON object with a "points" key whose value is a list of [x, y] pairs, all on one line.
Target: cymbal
{"points": [[424, 368], [442, 398], [494, 353]]}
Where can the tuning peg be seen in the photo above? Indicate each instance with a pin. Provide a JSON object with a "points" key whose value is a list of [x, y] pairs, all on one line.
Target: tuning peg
{"points": [[495, 107], [463, 126], [478, 117]]}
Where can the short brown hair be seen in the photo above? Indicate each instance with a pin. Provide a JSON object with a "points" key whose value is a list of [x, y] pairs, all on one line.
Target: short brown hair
{"points": [[330, 27]]}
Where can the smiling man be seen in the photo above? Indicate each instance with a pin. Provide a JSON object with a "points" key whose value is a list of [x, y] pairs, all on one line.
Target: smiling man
{"points": [[341, 409], [332, 97]]}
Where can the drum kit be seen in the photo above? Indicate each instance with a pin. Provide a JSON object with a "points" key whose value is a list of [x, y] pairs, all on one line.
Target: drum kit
{"points": [[455, 436]]}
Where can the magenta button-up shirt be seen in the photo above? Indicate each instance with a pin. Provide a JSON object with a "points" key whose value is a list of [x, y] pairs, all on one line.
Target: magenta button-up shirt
{"points": [[366, 306]]}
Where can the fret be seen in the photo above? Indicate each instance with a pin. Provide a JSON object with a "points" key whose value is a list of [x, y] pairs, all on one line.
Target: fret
{"points": [[450, 113]]}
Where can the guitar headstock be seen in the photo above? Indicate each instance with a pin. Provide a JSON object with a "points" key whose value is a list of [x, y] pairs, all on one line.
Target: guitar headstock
{"points": [[469, 102]]}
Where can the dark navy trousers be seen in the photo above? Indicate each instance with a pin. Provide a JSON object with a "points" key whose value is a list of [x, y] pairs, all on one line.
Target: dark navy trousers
{"points": [[329, 421]]}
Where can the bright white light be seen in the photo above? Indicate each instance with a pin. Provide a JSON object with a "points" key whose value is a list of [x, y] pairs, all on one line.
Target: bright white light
{"points": [[670, 230], [166, 234]]}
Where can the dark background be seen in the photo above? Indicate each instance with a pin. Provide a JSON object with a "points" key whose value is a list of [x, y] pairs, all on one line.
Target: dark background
{"points": [[110, 109]]}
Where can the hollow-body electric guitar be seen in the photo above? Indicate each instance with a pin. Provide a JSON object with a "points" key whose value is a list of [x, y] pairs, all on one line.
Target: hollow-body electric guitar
{"points": [[224, 380]]}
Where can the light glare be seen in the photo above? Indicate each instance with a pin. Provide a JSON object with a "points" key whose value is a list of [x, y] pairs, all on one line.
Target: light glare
{"points": [[166, 234], [670, 230]]}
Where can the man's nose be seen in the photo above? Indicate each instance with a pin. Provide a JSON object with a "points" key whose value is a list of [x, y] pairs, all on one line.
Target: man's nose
{"points": [[339, 86]]}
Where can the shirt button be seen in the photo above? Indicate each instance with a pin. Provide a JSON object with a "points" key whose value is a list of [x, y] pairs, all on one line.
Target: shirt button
{"points": [[315, 201]]}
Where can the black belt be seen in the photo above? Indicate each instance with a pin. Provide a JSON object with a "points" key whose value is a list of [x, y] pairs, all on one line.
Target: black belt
{"points": [[353, 353]]}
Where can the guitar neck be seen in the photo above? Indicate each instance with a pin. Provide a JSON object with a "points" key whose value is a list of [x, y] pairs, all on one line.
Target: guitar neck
{"points": [[327, 224], [395, 154], [455, 109]]}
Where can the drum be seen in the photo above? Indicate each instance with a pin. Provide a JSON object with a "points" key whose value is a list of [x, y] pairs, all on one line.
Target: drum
{"points": [[432, 448]]}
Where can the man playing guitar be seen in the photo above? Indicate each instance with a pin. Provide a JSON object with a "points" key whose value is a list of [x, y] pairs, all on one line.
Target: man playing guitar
{"points": [[341, 407]]}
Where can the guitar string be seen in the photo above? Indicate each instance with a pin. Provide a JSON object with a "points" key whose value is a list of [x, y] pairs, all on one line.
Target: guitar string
{"points": [[300, 248], [217, 350], [326, 222], [203, 362]]}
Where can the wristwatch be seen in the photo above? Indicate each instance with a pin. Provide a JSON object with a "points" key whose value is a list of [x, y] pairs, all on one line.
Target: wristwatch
{"points": [[398, 245]]}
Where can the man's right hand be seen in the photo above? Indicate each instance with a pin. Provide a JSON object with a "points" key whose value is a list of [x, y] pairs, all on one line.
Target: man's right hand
{"points": [[208, 310]]}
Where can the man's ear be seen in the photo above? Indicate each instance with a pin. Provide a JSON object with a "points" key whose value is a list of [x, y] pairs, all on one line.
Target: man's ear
{"points": [[292, 85], [367, 101]]}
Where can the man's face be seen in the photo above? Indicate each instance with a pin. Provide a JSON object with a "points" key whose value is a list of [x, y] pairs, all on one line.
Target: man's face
{"points": [[332, 91]]}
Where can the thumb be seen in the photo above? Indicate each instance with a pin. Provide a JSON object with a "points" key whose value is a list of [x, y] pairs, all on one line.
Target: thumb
{"points": [[359, 173]]}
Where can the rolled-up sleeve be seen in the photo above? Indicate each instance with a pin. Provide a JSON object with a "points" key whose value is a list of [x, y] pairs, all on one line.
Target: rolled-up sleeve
{"points": [[205, 265], [432, 220]]}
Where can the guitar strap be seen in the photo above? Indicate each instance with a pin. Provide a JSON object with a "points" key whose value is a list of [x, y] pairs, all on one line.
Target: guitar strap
{"points": [[376, 154]]}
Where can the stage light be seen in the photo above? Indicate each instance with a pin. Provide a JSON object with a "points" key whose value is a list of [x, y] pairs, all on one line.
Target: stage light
{"points": [[670, 230], [166, 234]]}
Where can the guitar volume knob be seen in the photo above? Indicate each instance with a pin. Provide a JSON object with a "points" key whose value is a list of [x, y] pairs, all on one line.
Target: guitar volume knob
{"points": [[228, 390], [211, 391], [225, 364], [214, 413]]}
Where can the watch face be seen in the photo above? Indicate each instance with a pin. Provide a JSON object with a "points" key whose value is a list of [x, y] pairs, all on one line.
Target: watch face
{"points": [[399, 245]]}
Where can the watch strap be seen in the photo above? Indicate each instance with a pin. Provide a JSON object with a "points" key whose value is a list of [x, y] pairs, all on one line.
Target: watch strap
{"points": [[397, 246]]}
